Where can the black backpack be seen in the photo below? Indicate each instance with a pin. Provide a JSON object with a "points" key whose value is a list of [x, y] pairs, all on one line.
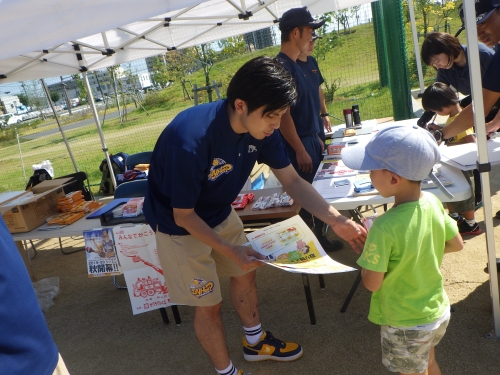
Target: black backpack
{"points": [[118, 163], [39, 175]]}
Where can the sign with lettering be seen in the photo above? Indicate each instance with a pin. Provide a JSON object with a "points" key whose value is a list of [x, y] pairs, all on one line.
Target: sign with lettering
{"points": [[136, 250]]}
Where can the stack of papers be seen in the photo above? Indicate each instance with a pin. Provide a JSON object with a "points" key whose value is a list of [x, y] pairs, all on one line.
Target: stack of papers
{"points": [[464, 156], [333, 168]]}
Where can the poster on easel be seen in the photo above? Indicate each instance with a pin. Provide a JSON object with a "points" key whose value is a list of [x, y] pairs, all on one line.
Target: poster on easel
{"points": [[291, 246], [100, 253], [136, 250]]}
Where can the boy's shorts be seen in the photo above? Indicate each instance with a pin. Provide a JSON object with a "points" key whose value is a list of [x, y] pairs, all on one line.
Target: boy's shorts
{"points": [[191, 268], [470, 203], [407, 350]]}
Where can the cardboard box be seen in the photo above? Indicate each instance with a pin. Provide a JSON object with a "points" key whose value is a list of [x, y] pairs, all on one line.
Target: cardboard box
{"points": [[26, 211]]}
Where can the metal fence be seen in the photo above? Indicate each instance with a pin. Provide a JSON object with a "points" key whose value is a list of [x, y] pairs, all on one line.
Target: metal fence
{"points": [[137, 100]]}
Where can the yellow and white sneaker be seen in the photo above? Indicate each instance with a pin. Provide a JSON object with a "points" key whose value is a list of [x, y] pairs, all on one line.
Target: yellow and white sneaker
{"points": [[270, 348]]}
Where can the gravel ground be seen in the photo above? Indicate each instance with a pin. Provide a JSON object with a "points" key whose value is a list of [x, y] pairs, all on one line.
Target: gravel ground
{"points": [[95, 330]]}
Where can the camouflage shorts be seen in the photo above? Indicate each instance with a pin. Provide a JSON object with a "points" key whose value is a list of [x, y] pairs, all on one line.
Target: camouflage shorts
{"points": [[407, 351]]}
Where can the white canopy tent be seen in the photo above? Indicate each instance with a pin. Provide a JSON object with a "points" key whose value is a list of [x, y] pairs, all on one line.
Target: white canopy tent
{"points": [[74, 36], [53, 38]]}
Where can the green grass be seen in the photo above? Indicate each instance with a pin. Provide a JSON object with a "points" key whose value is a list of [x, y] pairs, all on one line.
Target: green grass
{"points": [[354, 63]]}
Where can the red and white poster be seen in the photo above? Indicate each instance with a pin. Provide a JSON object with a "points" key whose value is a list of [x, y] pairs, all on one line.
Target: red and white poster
{"points": [[136, 250]]}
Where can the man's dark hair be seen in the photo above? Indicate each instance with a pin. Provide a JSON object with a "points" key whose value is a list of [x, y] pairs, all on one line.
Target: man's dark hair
{"points": [[262, 82], [437, 43], [438, 96], [285, 35]]}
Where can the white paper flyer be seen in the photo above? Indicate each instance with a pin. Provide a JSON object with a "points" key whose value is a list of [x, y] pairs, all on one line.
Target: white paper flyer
{"points": [[100, 253], [292, 246], [136, 249]]}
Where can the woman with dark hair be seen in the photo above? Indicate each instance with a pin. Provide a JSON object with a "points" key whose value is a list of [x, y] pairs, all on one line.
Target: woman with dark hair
{"points": [[445, 54]]}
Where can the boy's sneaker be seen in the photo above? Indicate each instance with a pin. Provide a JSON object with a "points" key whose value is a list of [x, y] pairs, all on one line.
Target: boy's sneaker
{"points": [[270, 348], [465, 229], [240, 372], [456, 218]]}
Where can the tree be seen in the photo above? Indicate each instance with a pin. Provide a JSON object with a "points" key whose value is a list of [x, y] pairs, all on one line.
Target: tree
{"points": [[23, 98], [161, 74], [328, 41], [342, 17], [423, 9], [81, 90], [180, 64], [207, 56], [444, 13], [231, 47], [55, 96], [353, 11]]}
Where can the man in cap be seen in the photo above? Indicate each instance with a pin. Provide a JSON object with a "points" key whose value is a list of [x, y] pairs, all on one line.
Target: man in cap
{"points": [[311, 69], [300, 126]]}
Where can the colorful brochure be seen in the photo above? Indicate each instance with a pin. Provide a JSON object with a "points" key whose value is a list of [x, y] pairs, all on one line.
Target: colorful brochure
{"points": [[100, 253], [291, 246]]}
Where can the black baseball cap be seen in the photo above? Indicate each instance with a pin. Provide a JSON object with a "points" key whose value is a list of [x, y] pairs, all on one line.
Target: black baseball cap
{"points": [[316, 36], [296, 17], [484, 9]]}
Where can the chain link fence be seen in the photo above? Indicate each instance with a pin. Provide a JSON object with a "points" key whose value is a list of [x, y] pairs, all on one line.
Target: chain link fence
{"points": [[137, 100]]}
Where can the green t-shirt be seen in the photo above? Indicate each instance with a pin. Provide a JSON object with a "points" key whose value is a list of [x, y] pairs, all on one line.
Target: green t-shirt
{"points": [[407, 243]]}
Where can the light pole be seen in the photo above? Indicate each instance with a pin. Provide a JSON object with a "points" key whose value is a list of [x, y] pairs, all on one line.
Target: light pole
{"points": [[68, 103]]}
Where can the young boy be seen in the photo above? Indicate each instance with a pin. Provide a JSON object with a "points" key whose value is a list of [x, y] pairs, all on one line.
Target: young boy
{"points": [[441, 99], [404, 248]]}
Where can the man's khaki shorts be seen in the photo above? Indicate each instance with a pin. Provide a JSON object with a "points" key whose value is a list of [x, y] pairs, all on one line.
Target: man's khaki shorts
{"points": [[191, 268]]}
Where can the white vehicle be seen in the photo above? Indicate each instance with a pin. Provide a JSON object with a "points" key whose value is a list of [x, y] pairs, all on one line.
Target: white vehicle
{"points": [[10, 119]]}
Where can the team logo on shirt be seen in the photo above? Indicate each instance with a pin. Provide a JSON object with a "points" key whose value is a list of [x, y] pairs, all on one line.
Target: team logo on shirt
{"points": [[252, 148], [369, 254], [200, 287], [218, 168]]}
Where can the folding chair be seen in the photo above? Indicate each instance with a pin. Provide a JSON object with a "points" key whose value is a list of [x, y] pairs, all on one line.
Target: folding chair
{"points": [[139, 158]]}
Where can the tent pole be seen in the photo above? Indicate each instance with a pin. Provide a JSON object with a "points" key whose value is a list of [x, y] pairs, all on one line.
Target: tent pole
{"points": [[416, 46], [483, 162], [98, 124], [59, 123]]}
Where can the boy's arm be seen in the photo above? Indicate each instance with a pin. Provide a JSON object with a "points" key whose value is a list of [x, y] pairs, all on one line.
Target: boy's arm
{"points": [[455, 244], [372, 280]]}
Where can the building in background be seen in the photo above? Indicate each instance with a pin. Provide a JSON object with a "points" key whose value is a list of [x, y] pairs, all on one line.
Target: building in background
{"points": [[260, 39], [9, 104]]}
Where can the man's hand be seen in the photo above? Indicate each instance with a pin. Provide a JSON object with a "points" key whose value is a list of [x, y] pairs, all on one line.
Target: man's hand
{"points": [[327, 124], [304, 161], [246, 257], [432, 127], [350, 231], [322, 144], [494, 124]]}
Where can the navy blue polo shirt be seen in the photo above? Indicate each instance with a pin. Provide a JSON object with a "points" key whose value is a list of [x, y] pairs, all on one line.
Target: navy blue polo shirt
{"points": [[459, 77], [305, 112], [200, 162], [26, 346], [313, 74], [491, 79]]}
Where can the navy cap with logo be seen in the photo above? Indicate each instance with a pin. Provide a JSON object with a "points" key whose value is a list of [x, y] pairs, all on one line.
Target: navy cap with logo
{"points": [[296, 17], [484, 9]]}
